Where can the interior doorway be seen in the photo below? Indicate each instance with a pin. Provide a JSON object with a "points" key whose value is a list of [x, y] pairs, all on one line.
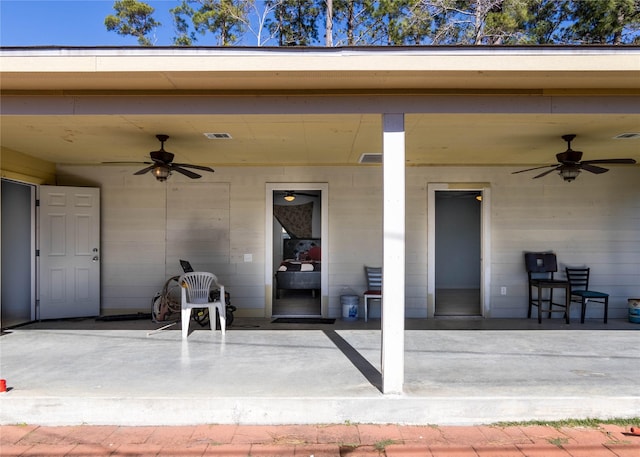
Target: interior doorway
{"points": [[458, 253], [18, 304], [459, 250], [296, 226]]}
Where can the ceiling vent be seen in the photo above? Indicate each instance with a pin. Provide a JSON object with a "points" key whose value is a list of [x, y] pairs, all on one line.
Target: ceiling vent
{"points": [[627, 136], [218, 136], [371, 158]]}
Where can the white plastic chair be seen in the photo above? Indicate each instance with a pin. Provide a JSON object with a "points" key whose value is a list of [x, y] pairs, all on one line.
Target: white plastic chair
{"points": [[196, 288]]}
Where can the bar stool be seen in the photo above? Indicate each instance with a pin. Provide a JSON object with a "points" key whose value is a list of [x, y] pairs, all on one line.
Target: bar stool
{"points": [[541, 267]]}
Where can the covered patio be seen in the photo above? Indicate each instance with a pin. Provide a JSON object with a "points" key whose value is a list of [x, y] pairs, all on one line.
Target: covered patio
{"points": [[459, 372], [437, 118]]}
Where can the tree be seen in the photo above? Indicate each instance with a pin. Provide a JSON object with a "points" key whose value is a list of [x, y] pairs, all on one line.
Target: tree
{"points": [[256, 21], [132, 18], [351, 18], [545, 21], [181, 19], [398, 22], [389, 22], [605, 22], [225, 19], [295, 21], [477, 22], [328, 30], [353, 22]]}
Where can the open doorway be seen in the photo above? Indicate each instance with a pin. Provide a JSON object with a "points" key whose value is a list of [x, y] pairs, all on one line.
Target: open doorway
{"points": [[459, 249], [295, 254], [18, 247], [458, 253]]}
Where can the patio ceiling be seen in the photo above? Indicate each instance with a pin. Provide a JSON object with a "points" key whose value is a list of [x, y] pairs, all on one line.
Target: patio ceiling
{"points": [[279, 107]]}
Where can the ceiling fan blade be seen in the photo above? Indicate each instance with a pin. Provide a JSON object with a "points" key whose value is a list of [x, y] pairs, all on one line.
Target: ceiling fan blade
{"points": [[546, 172], [188, 173], [534, 168], [627, 161], [593, 168], [145, 170], [197, 167]]}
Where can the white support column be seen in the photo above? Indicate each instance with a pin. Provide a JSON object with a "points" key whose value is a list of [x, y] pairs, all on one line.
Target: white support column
{"points": [[393, 263]]}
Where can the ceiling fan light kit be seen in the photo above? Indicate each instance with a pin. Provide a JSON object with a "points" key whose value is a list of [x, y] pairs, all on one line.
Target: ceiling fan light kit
{"points": [[570, 164], [569, 173], [161, 173], [162, 165]]}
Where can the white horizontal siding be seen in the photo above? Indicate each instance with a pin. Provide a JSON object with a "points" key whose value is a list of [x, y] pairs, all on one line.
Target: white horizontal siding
{"points": [[147, 226]]}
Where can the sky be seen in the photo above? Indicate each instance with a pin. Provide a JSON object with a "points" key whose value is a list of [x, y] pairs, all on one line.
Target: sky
{"points": [[75, 23]]}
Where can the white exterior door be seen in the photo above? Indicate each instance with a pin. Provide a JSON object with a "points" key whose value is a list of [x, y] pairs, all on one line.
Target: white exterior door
{"points": [[69, 236]]}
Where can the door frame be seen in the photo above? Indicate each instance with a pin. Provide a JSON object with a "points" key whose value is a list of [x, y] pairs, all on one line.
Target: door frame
{"points": [[485, 243], [324, 235]]}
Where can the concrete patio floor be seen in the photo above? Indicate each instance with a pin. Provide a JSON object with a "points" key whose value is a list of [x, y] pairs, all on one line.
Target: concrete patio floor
{"points": [[458, 372]]}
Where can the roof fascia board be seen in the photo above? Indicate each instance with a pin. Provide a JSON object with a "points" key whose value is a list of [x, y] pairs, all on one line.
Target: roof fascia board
{"points": [[469, 59]]}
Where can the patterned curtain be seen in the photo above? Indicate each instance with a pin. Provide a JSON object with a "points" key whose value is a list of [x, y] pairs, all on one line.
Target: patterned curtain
{"points": [[296, 219]]}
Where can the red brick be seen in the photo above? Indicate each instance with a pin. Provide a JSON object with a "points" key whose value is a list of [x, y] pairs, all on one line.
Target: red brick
{"points": [[228, 450], [625, 450], [170, 436], [540, 449], [588, 450], [453, 451], [272, 450], [50, 450], [129, 435], [375, 434], [49, 435], [583, 435], [94, 434], [360, 451], [88, 450], [139, 450], [317, 450], [518, 435], [294, 434], [10, 434], [539, 433], [407, 450], [213, 434], [253, 434], [338, 434], [498, 436], [510, 450], [463, 436], [183, 451], [421, 434], [12, 450]]}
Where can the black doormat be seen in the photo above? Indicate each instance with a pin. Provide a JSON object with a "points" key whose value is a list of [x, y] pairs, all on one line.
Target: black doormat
{"points": [[302, 320], [124, 317]]}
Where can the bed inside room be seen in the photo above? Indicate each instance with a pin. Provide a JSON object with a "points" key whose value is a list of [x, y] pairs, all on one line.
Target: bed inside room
{"points": [[300, 267], [297, 259]]}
